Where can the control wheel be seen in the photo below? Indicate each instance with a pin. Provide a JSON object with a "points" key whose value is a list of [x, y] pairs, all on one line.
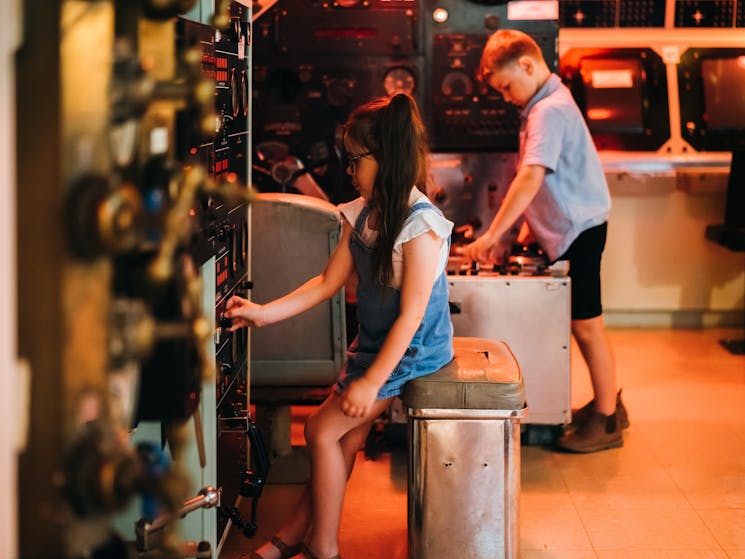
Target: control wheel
{"points": [[277, 169]]}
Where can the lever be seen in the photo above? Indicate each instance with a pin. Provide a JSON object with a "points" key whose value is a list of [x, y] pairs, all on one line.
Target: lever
{"points": [[199, 436], [253, 482], [187, 186], [148, 532], [234, 516]]}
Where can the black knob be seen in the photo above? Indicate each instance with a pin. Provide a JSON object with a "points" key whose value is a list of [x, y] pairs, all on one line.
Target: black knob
{"points": [[224, 231], [491, 21]]}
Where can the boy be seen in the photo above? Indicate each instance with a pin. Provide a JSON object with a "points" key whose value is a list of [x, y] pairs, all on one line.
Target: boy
{"points": [[560, 188]]}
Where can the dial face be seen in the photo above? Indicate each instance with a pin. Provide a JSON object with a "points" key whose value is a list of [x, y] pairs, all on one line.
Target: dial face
{"points": [[340, 91], [399, 80], [235, 93], [244, 92], [456, 84]]}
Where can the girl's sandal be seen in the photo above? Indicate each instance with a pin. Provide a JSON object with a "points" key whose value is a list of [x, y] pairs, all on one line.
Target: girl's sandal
{"points": [[285, 550], [310, 555]]}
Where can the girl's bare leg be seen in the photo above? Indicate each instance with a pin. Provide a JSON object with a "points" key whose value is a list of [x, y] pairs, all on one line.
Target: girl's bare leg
{"points": [[298, 525], [333, 440]]}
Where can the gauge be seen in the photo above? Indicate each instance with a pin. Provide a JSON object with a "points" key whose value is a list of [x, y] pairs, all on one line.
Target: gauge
{"points": [[243, 257], [235, 93], [234, 250], [340, 91], [456, 84], [244, 92], [399, 80]]}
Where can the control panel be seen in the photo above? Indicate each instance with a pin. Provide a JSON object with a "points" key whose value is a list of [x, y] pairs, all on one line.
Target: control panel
{"points": [[144, 182], [313, 63], [462, 113]]}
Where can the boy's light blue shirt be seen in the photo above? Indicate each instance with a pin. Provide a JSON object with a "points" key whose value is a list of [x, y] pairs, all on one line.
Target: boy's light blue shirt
{"points": [[574, 195]]}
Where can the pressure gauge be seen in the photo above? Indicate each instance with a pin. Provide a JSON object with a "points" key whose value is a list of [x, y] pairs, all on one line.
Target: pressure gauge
{"points": [[235, 93], [399, 80]]}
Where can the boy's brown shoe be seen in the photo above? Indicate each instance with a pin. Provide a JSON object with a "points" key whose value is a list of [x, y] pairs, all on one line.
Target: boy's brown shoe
{"points": [[581, 415], [598, 432]]}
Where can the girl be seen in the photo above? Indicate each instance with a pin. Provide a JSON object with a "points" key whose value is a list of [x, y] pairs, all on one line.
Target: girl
{"points": [[397, 242]]}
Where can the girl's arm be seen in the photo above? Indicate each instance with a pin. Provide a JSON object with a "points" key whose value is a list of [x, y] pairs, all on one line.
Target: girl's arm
{"points": [[320, 288], [420, 257]]}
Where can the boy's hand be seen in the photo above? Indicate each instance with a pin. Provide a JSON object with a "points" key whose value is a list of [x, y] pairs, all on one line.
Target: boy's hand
{"points": [[479, 250], [358, 397], [243, 313]]}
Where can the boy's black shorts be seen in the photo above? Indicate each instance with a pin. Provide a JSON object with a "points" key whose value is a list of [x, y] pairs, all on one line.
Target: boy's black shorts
{"points": [[584, 256]]}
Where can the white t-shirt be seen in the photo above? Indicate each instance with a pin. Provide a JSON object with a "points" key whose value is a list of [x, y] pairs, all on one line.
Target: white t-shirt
{"points": [[428, 219]]}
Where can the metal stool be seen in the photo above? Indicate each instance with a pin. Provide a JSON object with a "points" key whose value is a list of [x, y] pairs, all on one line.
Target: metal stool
{"points": [[464, 454]]}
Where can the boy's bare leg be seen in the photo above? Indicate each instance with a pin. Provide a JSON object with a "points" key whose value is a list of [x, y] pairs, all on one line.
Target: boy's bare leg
{"points": [[332, 455], [592, 340], [601, 428]]}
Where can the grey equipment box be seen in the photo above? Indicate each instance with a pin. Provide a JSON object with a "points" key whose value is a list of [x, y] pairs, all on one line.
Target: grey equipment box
{"points": [[533, 315], [464, 455]]}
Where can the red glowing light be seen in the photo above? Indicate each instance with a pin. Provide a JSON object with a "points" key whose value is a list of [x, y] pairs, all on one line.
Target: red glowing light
{"points": [[346, 33], [599, 114]]}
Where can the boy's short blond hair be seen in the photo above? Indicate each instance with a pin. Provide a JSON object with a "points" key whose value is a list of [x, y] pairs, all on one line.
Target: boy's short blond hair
{"points": [[505, 47]]}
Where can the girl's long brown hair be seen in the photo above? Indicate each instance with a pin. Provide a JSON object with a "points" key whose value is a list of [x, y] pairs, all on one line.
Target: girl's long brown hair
{"points": [[393, 130]]}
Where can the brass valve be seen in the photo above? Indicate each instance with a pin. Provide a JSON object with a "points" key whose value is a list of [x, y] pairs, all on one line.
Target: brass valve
{"points": [[221, 17], [102, 217]]}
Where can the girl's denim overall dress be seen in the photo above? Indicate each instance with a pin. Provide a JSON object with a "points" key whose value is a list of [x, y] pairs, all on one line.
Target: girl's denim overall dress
{"points": [[377, 309]]}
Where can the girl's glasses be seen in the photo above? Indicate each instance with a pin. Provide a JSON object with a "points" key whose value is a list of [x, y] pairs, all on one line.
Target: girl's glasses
{"points": [[353, 160]]}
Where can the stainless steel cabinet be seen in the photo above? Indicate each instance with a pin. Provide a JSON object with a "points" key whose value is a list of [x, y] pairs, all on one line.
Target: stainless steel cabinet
{"points": [[532, 314]]}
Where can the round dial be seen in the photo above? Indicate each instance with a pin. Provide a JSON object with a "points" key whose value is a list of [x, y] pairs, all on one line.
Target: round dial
{"points": [[456, 84], [399, 80], [340, 91], [244, 92], [235, 93]]}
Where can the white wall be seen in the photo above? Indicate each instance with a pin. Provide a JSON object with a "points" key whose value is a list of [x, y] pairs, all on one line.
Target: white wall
{"points": [[658, 263], [9, 17], [658, 267]]}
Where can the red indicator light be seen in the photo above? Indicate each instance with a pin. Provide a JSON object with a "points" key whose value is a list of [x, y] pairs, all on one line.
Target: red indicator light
{"points": [[346, 33]]}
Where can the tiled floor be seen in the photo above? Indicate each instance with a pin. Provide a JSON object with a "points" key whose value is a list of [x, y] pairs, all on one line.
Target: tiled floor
{"points": [[676, 490]]}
